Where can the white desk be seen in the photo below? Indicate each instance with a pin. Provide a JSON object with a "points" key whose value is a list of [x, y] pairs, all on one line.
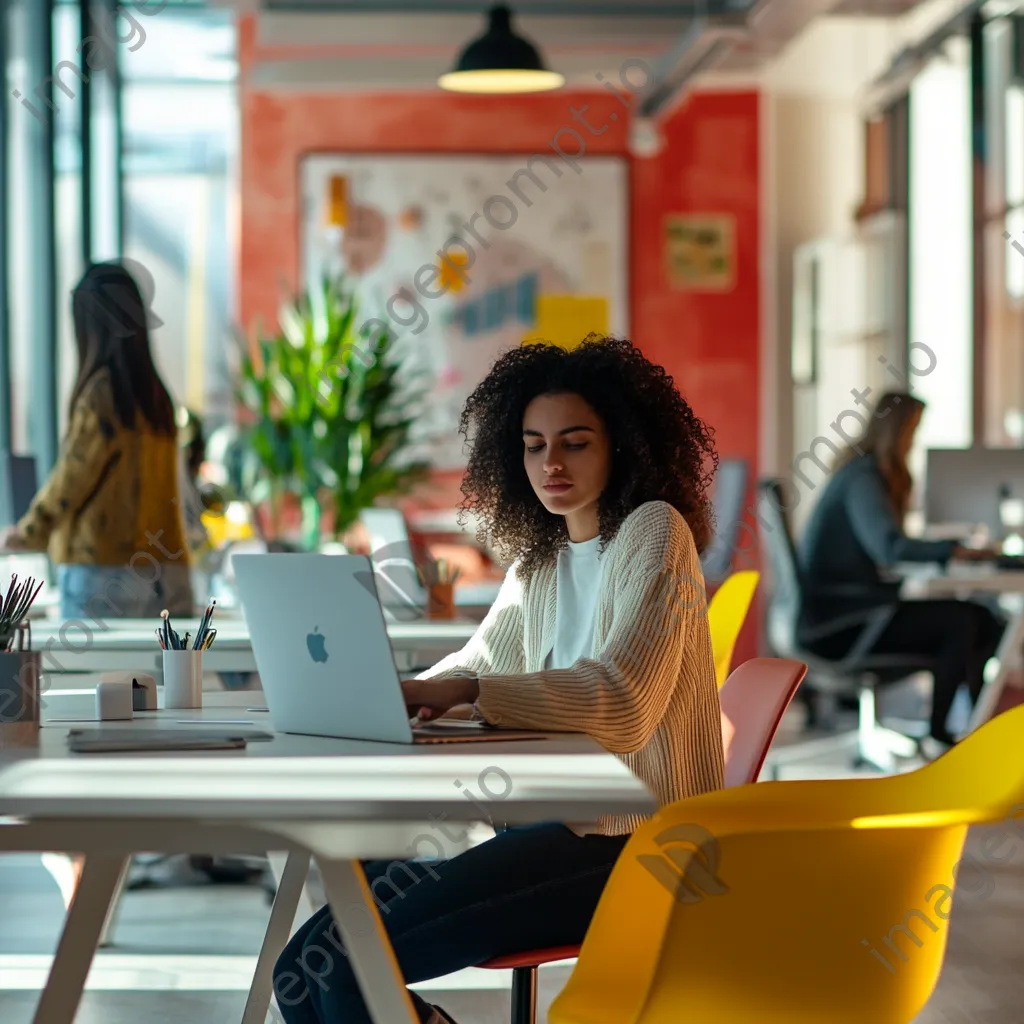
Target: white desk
{"points": [[336, 800], [960, 582], [132, 644]]}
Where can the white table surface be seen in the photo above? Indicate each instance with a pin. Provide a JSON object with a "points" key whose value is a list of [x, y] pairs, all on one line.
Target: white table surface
{"points": [[131, 643], [338, 800], [292, 776]]}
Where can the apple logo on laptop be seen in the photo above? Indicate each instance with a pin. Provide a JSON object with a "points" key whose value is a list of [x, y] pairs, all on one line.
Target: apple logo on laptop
{"points": [[315, 642]]}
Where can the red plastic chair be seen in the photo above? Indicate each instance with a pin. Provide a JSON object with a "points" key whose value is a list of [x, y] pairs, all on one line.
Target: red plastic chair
{"points": [[754, 698]]}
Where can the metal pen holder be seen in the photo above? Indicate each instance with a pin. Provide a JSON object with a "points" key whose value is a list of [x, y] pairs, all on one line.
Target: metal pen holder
{"points": [[20, 697]]}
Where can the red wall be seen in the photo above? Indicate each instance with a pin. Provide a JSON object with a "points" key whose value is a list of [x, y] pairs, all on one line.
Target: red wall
{"points": [[710, 163]]}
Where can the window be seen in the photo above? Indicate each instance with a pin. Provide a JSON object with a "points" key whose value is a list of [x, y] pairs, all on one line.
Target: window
{"points": [[940, 241], [181, 132], [1004, 236]]}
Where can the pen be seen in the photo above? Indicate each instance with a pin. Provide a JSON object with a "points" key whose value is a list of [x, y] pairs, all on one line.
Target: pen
{"points": [[204, 626]]}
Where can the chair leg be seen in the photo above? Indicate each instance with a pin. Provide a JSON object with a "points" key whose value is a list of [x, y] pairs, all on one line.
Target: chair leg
{"points": [[524, 995]]}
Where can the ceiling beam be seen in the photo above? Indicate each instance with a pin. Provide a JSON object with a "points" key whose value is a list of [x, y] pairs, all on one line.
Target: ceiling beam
{"points": [[699, 48], [535, 8], [895, 82]]}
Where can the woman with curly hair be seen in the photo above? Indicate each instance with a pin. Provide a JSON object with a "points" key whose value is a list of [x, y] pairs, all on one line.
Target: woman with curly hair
{"points": [[589, 472]]}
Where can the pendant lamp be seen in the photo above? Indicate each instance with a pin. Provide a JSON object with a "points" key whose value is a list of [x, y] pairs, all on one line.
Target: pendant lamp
{"points": [[499, 61]]}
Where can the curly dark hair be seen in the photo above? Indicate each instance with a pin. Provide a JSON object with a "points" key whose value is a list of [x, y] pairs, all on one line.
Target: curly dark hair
{"points": [[660, 450]]}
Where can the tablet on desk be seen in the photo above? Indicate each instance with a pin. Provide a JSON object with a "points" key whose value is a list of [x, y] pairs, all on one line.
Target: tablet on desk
{"points": [[110, 741]]}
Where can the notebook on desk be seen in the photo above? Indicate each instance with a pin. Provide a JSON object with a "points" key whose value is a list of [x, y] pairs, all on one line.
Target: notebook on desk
{"points": [[124, 739]]}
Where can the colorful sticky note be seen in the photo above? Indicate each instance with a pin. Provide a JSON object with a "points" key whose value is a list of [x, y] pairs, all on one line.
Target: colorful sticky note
{"points": [[566, 320], [526, 300], [471, 319], [337, 201], [450, 271]]}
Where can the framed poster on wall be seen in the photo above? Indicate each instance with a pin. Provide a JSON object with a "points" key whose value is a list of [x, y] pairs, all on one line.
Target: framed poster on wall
{"points": [[700, 251], [467, 256]]}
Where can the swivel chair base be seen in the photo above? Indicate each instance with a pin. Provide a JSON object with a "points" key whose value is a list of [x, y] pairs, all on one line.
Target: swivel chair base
{"points": [[873, 744]]}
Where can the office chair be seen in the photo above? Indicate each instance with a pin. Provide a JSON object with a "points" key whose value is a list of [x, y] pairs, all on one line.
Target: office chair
{"points": [[794, 902], [858, 673], [727, 611], [754, 699], [727, 500]]}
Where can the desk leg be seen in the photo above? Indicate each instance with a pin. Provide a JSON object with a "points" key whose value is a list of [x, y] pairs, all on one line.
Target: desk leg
{"points": [[1007, 656], [305, 908], [366, 942], [86, 916], [107, 935], [290, 885]]}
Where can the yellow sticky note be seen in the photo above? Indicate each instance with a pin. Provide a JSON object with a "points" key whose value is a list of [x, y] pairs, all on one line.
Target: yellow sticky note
{"points": [[450, 274], [566, 320], [337, 202]]}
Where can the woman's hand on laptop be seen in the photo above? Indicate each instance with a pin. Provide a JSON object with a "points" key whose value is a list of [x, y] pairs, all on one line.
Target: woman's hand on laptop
{"points": [[427, 699], [461, 712]]}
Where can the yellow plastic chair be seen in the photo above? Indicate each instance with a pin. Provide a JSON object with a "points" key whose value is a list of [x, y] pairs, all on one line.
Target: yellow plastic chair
{"points": [[726, 615], [796, 902]]}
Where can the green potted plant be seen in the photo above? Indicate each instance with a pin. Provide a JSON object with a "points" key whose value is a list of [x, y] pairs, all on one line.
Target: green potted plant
{"points": [[329, 412]]}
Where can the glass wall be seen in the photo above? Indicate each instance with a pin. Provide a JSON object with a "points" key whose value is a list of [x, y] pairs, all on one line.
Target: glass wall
{"points": [[67, 144], [1004, 234], [160, 166], [940, 251], [181, 130], [33, 109]]}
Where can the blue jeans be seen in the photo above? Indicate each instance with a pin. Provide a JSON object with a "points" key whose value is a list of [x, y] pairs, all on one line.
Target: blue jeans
{"points": [[527, 888], [100, 592]]}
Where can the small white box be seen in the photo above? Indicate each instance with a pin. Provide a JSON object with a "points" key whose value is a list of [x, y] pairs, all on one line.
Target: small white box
{"points": [[114, 700], [143, 687]]}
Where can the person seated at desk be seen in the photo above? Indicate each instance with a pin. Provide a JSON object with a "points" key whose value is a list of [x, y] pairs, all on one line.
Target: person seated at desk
{"points": [[109, 515], [855, 533], [591, 473]]}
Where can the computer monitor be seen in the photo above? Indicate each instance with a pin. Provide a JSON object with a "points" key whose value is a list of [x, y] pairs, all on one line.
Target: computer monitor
{"points": [[727, 499], [966, 485], [18, 486]]}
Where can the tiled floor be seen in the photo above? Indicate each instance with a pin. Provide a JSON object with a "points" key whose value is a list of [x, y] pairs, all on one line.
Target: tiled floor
{"points": [[184, 953]]}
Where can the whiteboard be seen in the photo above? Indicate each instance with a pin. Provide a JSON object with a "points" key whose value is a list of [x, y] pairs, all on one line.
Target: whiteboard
{"points": [[467, 256]]}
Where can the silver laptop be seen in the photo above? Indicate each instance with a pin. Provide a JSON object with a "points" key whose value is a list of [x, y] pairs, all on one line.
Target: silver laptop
{"points": [[323, 653], [402, 596]]}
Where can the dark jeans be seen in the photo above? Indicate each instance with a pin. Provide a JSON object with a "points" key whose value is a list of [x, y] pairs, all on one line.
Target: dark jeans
{"points": [[527, 888], [959, 635]]}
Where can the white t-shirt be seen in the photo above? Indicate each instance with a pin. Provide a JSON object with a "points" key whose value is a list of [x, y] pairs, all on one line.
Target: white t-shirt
{"points": [[577, 584]]}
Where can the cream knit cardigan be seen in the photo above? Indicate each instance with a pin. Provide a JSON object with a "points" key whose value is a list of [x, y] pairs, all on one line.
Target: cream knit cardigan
{"points": [[647, 693]]}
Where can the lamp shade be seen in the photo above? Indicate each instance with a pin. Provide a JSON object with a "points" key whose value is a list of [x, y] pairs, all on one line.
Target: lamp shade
{"points": [[499, 61]]}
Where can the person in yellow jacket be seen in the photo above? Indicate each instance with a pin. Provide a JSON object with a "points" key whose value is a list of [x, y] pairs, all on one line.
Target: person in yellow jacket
{"points": [[109, 515]]}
